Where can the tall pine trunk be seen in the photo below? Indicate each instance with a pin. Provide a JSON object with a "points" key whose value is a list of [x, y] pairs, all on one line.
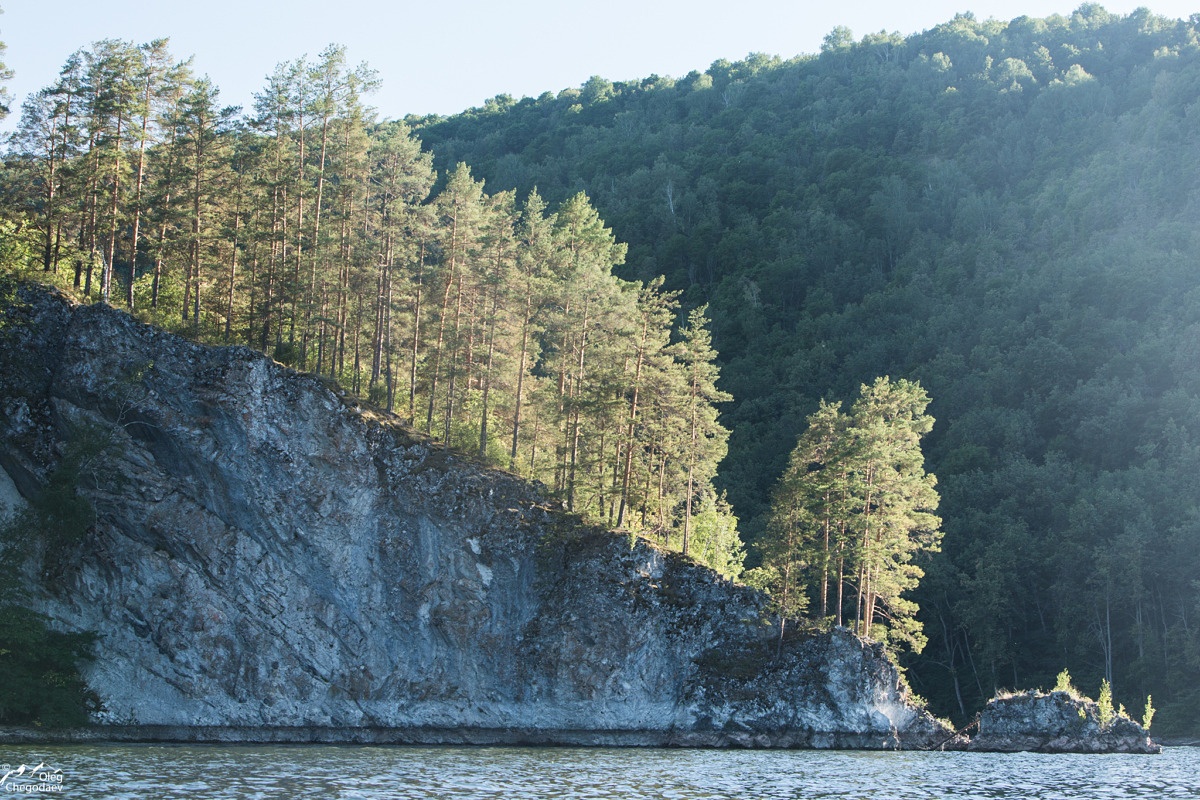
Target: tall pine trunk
{"points": [[516, 432]]}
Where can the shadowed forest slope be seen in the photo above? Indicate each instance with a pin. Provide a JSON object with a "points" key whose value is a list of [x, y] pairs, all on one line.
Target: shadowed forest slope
{"points": [[1005, 211]]}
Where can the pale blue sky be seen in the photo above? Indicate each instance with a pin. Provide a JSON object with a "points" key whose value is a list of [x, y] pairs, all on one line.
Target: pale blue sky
{"points": [[444, 57]]}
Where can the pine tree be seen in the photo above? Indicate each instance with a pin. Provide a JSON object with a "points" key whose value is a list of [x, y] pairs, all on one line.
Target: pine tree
{"points": [[535, 237], [348, 244], [166, 214], [855, 506], [499, 278], [810, 504], [48, 140], [112, 73], [707, 438], [154, 74], [460, 208], [330, 95], [586, 253], [898, 497], [273, 121], [204, 168], [806, 516], [651, 340]]}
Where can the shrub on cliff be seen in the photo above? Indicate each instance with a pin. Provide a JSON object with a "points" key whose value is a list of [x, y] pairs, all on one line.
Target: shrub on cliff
{"points": [[40, 682]]}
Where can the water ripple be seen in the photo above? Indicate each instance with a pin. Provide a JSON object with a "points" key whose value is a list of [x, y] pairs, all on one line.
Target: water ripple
{"points": [[125, 772]]}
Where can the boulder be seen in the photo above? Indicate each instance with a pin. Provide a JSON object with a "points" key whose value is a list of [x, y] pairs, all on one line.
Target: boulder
{"points": [[1056, 722]]}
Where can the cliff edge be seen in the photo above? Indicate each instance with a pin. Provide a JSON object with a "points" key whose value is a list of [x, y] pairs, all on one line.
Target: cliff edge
{"points": [[272, 562]]}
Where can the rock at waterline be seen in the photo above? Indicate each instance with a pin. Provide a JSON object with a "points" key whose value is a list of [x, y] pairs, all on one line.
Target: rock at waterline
{"points": [[1055, 722]]}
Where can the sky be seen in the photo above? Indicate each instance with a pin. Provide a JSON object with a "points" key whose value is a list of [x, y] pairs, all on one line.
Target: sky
{"points": [[445, 57]]}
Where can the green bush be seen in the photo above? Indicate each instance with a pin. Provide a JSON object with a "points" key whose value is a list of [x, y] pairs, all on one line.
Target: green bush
{"points": [[1106, 704], [40, 682]]}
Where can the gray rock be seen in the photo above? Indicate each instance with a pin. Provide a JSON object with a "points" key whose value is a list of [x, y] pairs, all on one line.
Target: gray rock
{"points": [[273, 562], [1055, 722]]}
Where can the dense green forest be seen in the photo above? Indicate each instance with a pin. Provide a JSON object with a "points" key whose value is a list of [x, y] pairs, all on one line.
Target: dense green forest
{"points": [[1003, 211], [314, 233]]}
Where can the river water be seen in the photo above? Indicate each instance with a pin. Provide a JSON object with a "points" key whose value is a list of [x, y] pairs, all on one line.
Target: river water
{"points": [[300, 771]]}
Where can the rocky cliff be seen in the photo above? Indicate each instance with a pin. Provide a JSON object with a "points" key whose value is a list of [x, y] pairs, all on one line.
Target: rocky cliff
{"points": [[1056, 722], [267, 556]]}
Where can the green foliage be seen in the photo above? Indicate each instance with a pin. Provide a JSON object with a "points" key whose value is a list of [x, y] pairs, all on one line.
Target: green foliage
{"points": [[17, 246], [377, 395], [9, 300], [1105, 705], [761, 578], [163, 310], [788, 602], [853, 510], [1063, 683], [1148, 713], [19, 260], [40, 682], [313, 233], [59, 516], [1002, 210], [714, 540]]}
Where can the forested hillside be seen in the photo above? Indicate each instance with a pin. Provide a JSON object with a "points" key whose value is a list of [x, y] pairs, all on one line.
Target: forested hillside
{"points": [[1001, 213], [1005, 211], [310, 231]]}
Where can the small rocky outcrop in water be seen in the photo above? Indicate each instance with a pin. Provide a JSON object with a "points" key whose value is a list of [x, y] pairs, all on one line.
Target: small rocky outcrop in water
{"points": [[270, 562], [1056, 722]]}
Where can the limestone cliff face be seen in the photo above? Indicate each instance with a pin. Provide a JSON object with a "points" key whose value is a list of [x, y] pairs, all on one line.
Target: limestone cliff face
{"points": [[268, 555]]}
